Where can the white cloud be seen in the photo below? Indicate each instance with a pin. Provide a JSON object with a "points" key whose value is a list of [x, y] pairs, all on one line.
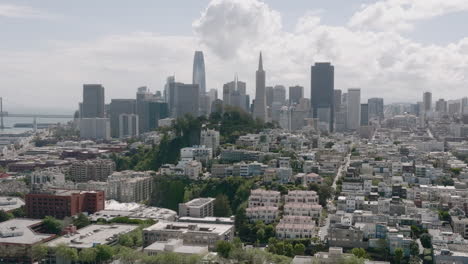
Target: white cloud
{"points": [[400, 15], [21, 11], [231, 33]]}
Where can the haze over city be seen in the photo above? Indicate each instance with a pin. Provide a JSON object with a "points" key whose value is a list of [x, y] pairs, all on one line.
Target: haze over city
{"points": [[395, 49]]}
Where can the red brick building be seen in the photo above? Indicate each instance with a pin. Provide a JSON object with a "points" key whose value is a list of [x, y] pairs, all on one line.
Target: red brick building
{"points": [[62, 203]]}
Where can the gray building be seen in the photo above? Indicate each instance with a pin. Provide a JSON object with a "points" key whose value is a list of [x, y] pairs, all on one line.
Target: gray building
{"points": [[184, 99], [234, 94], [128, 125], [269, 95], [296, 93], [279, 94], [364, 114], [260, 107], [441, 106], [353, 109], [427, 101], [322, 91], [93, 101], [376, 108], [337, 100], [198, 76], [118, 107]]}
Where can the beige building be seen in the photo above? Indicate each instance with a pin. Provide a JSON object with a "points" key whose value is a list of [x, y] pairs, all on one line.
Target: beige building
{"points": [[267, 214], [196, 234], [298, 196], [129, 186], [260, 198], [91, 170], [295, 227], [303, 209], [200, 207], [460, 226]]}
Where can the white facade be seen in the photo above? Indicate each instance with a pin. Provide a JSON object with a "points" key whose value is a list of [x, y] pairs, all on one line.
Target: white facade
{"points": [[354, 109], [95, 128], [210, 139], [128, 125]]}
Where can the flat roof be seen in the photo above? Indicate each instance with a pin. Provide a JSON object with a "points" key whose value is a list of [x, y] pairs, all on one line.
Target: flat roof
{"points": [[199, 202], [189, 227], [8, 203], [92, 235], [18, 231]]}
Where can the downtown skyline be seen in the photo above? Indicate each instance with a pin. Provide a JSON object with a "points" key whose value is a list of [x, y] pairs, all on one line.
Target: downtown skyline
{"points": [[393, 66]]}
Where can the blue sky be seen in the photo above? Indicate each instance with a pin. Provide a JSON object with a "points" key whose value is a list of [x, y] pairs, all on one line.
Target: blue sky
{"points": [[52, 47]]}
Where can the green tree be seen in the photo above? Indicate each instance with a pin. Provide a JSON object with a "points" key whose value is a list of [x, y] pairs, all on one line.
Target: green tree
{"points": [[299, 249], [288, 250], [19, 212], [261, 234], [426, 240], [351, 260], [221, 206], [81, 221], [414, 248], [65, 252], [223, 248], [398, 255], [359, 252], [4, 216], [39, 252], [104, 253], [126, 240], [52, 225], [88, 255]]}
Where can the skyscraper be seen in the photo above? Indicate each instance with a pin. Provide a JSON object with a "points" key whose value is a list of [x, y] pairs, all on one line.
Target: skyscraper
{"points": [[118, 107], [234, 94], [186, 99], [198, 76], [376, 108], [260, 96], [269, 95], [364, 114], [279, 94], [322, 91], [354, 108], [93, 101], [441, 106], [337, 100], [296, 93], [427, 101]]}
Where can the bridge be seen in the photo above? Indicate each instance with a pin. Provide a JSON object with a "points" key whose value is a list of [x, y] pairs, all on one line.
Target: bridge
{"points": [[38, 115]]}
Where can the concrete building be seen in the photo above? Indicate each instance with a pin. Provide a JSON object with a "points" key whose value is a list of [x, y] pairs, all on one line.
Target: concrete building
{"points": [[296, 93], [261, 198], [427, 102], [95, 128], [322, 93], [260, 107], [8, 204], [199, 153], [129, 186], [128, 125], [353, 109], [266, 214], [17, 237], [62, 203], [364, 114], [93, 101], [376, 108], [299, 196], [191, 233], [175, 246], [235, 94], [91, 170], [279, 94], [295, 227], [47, 176], [192, 169], [118, 107], [200, 207], [460, 226], [210, 139], [184, 99]]}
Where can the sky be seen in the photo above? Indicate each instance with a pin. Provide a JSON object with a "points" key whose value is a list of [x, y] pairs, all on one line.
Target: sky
{"points": [[395, 49]]}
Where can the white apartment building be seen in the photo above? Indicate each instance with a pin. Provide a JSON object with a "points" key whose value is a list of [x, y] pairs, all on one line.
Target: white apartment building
{"points": [[210, 139], [267, 214], [200, 153], [261, 198], [129, 186], [295, 227], [200, 207], [91, 170], [193, 169], [298, 196], [303, 209]]}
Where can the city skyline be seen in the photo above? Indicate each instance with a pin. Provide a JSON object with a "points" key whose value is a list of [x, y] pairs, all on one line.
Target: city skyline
{"points": [[398, 64]]}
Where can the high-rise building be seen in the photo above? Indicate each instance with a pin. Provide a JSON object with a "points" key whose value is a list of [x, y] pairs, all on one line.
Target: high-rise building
{"points": [[337, 100], [260, 109], [234, 94], [269, 95], [279, 94], [93, 101], [376, 108], [198, 76], [353, 108], [322, 91], [118, 107], [427, 101], [95, 128], [464, 105], [213, 94], [441, 106], [364, 114], [157, 110], [185, 99], [169, 80], [128, 125], [296, 93]]}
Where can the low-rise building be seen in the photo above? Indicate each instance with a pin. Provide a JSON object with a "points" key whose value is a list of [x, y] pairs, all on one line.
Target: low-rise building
{"points": [[200, 207], [191, 233], [91, 170], [261, 197], [295, 227], [175, 246], [8, 204], [267, 214]]}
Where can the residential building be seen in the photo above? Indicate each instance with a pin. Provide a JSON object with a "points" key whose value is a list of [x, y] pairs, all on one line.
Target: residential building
{"points": [[295, 227], [262, 198], [129, 186], [210, 139], [200, 207], [91, 170], [266, 214]]}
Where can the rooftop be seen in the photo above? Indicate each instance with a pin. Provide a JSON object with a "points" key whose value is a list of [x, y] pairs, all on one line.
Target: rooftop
{"points": [[92, 235], [18, 231], [10, 203], [199, 202]]}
